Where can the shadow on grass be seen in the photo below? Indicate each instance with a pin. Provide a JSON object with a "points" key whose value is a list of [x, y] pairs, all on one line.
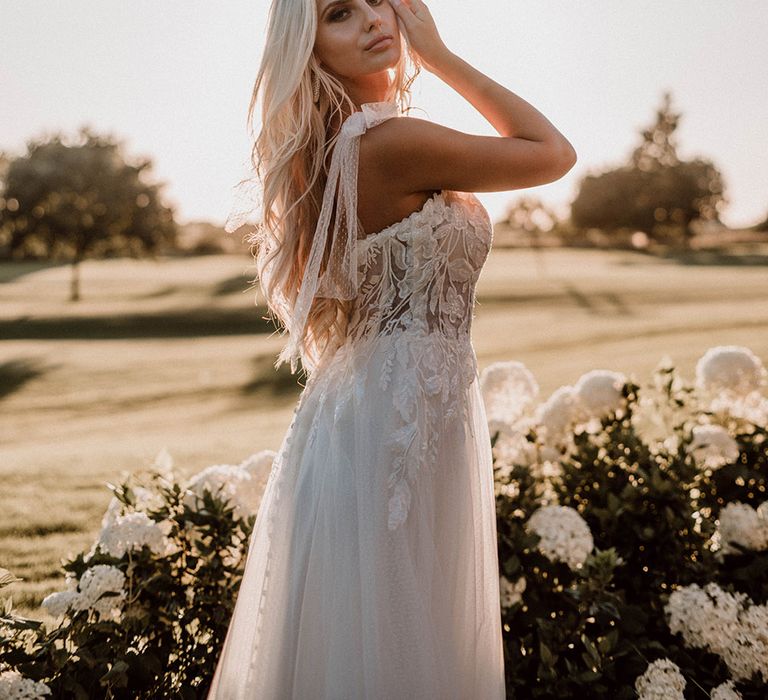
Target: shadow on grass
{"points": [[716, 257], [40, 529], [598, 303], [276, 383], [637, 257], [158, 293], [14, 374], [11, 271], [187, 323], [231, 285]]}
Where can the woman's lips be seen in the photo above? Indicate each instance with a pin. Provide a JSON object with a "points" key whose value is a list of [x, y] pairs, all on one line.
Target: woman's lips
{"points": [[381, 44]]}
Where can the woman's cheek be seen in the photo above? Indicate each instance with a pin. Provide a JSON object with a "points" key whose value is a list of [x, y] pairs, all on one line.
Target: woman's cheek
{"points": [[335, 48]]}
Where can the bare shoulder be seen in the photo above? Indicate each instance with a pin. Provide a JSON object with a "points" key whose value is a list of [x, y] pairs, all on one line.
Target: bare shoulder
{"points": [[424, 156]]}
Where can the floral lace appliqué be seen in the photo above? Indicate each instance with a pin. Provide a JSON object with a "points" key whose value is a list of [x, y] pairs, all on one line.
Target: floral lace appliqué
{"points": [[417, 287]]}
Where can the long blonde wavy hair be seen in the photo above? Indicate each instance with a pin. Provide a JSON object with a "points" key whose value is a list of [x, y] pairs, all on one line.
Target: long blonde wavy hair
{"points": [[290, 157]]}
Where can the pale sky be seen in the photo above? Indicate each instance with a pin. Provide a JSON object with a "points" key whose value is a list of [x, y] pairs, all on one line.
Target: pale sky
{"points": [[173, 78]]}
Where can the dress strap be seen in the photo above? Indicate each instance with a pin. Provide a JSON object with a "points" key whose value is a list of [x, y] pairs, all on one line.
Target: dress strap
{"points": [[339, 280]]}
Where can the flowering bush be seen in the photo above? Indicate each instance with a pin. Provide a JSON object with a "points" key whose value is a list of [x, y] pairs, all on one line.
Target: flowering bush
{"points": [[145, 611], [633, 545], [14, 685], [713, 619], [633, 531]]}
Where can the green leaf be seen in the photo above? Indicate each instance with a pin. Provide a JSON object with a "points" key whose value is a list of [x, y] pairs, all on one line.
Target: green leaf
{"points": [[7, 578], [591, 650], [546, 655], [117, 675]]}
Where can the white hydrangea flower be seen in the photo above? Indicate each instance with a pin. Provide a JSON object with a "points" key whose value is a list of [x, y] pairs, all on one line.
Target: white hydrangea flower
{"points": [[60, 602], [671, 444], [565, 535], [547, 469], [662, 680], [514, 449], [651, 421], [96, 581], [712, 446], [744, 525], [753, 407], [725, 691], [259, 465], [509, 389], [133, 531], [559, 413], [511, 593], [599, 391], [719, 621], [548, 453], [85, 595], [731, 368], [14, 686], [547, 463], [702, 621], [510, 490], [655, 417], [750, 652], [230, 482], [114, 509], [146, 499]]}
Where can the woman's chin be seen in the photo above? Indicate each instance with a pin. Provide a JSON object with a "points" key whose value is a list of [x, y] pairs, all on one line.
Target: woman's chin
{"points": [[391, 58]]}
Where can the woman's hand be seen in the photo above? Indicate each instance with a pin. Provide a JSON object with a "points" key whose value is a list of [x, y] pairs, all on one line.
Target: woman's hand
{"points": [[420, 31]]}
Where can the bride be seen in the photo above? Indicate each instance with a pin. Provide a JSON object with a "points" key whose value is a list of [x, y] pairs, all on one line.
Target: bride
{"points": [[372, 570]]}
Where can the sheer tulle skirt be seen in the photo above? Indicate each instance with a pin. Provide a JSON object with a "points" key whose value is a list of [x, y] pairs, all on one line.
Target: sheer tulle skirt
{"points": [[335, 606]]}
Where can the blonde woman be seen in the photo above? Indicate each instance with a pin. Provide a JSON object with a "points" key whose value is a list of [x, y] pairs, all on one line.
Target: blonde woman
{"points": [[372, 571]]}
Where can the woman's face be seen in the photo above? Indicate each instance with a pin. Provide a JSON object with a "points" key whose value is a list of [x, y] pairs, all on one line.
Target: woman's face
{"points": [[345, 30]]}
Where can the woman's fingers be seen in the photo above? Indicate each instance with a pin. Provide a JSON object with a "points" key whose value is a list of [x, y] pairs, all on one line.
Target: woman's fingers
{"points": [[403, 8], [418, 8], [404, 16], [418, 27]]}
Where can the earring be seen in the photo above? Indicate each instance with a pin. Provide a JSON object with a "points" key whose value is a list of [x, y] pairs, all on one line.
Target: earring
{"points": [[315, 88]]}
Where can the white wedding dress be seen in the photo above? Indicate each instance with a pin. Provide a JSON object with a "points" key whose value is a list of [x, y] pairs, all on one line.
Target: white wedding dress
{"points": [[372, 570]]}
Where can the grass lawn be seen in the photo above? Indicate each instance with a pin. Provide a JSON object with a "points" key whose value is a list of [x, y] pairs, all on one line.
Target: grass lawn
{"points": [[174, 353]]}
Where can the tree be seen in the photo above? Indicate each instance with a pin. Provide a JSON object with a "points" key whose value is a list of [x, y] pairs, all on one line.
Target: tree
{"points": [[531, 215], [655, 189], [658, 148], [72, 201], [761, 225]]}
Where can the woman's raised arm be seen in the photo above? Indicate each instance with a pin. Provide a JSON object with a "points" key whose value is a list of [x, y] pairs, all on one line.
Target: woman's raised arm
{"points": [[529, 151]]}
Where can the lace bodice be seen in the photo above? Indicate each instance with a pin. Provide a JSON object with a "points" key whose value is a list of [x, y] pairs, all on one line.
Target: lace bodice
{"points": [[419, 274]]}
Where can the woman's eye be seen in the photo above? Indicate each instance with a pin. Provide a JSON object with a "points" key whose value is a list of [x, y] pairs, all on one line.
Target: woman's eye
{"points": [[339, 14]]}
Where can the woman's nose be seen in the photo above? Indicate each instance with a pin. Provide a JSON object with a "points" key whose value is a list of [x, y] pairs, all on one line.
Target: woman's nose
{"points": [[373, 18]]}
